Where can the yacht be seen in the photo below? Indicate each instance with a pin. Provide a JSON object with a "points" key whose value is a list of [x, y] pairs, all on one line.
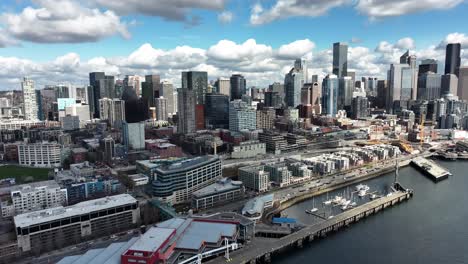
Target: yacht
{"points": [[337, 200]]}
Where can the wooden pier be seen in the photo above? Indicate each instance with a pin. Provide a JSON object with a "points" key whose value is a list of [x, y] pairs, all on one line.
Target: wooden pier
{"points": [[261, 251]]}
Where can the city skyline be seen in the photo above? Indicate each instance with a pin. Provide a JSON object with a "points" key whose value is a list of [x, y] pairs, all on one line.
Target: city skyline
{"points": [[249, 44]]}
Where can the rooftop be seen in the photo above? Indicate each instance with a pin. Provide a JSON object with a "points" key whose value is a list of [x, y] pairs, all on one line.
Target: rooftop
{"points": [[186, 164], [153, 239], [46, 215], [30, 187], [220, 186]]}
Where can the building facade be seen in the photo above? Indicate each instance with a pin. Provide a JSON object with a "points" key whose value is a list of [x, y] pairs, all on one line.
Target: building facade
{"points": [[241, 116], [40, 155], [330, 95], [134, 135], [30, 108]]}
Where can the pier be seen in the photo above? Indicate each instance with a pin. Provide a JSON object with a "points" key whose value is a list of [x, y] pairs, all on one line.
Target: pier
{"points": [[431, 169], [261, 250]]}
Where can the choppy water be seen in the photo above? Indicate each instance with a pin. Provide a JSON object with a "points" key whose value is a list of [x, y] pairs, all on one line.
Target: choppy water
{"points": [[431, 228]]}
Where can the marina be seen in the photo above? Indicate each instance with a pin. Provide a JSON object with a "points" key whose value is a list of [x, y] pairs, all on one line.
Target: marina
{"points": [[431, 169]]}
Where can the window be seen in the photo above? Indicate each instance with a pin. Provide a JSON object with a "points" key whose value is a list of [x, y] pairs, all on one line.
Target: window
{"points": [[84, 217], [65, 221], [75, 219]]}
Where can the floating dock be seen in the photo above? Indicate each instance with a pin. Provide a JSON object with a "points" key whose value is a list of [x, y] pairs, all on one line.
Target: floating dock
{"points": [[431, 169], [261, 250]]}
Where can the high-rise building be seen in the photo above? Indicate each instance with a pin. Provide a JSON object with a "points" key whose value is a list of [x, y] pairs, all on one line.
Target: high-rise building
{"points": [[223, 86], [293, 82], [134, 82], [133, 135], [196, 81], [449, 84], [463, 83], [428, 65], [266, 118], [340, 59], [30, 108], [273, 99], [345, 93], [48, 97], [101, 86], [429, 86], [409, 84], [166, 90], [452, 58], [112, 110], [241, 116], [408, 59], [217, 111], [359, 107], [161, 108], [394, 91], [305, 94], [238, 86], [382, 93], [108, 148], [301, 65], [186, 111], [330, 95]]}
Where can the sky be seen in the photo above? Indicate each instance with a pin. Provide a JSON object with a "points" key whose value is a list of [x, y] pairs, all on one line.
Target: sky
{"points": [[61, 41]]}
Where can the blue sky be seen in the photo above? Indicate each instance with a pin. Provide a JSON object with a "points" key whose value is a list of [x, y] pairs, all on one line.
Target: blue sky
{"points": [[59, 41]]}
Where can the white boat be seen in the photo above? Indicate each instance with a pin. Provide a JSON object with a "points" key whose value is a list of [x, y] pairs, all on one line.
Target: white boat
{"points": [[327, 202], [330, 217], [373, 196], [362, 193], [362, 187], [337, 200], [313, 210], [353, 204]]}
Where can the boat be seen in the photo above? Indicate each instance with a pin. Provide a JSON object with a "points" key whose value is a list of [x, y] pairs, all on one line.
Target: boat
{"points": [[353, 204], [314, 209], [327, 202], [330, 217], [337, 200]]}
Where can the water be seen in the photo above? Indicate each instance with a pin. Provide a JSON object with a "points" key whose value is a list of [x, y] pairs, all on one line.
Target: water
{"points": [[430, 228]]}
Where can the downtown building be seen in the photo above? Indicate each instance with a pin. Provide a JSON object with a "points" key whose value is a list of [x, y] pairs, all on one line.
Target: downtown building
{"points": [[241, 116], [30, 107], [40, 155], [330, 95], [175, 181], [54, 228], [186, 111]]}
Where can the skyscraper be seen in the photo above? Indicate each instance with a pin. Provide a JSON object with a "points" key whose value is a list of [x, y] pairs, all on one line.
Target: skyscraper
{"points": [[429, 86], [359, 107], [238, 86], [134, 135], [452, 58], [166, 90], [186, 111], [301, 64], [449, 84], [242, 116], [463, 84], [223, 86], [394, 91], [217, 110], [293, 82], [161, 108], [30, 108], [345, 93], [340, 59], [428, 65], [330, 95], [134, 82], [112, 110], [102, 86], [196, 81]]}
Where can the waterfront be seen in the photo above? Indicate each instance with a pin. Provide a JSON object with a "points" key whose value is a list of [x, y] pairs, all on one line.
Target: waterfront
{"points": [[430, 228]]}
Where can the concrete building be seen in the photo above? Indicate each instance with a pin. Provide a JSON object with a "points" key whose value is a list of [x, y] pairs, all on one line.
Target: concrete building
{"points": [[175, 181], [340, 59], [57, 227], [186, 111], [219, 193], [33, 197], [254, 208], [241, 116], [70, 123], [255, 178], [223, 86], [293, 82], [266, 118], [161, 108], [330, 95], [79, 110], [248, 149], [39, 155], [133, 135], [197, 82], [30, 108]]}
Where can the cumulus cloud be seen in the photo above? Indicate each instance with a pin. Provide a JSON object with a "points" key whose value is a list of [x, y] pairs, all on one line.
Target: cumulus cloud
{"points": [[173, 10], [291, 8], [296, 49], [63, 21], [388, 8], [454, 38], [225, 17]]}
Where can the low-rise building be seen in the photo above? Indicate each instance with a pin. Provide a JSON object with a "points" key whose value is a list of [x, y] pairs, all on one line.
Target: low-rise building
{"points": [[248, 149], [39, 154], [221, 192], [254, 208], [255, 178], [139, 179]]}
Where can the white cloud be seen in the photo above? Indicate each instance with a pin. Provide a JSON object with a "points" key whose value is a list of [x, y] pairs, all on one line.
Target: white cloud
{"points": [[455, 38], [63, 22], [296, 49], [388, 8], [405, 43], [225, 17], [291, 8]]}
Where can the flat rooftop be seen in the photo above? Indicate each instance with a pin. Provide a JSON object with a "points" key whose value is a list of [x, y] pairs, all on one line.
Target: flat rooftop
{"points": [[46, 215], [220, 186], [186, 164], [30, 187], [431, 167], [153, 239]]}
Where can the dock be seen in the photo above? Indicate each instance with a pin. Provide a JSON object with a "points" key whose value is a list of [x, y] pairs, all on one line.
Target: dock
{"points": [[261, 250], [431, 169]]}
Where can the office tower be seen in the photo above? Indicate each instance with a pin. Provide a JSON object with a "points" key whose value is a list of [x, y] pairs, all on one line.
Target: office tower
{"points": [[117, 116], [238, 86], [360, 107], [273, 99], [118, 88], [330, 95], [395, 85], [449, 84], [150, 88], [223, 86], [340, 59], [293, 82], [315, 78], [29, 99], [381, 93], [301, 64], [217, 111], [241, 116], [429, 86], [407, 59], [104, 108], [305, 94], [186, 101], [345, 92], [352, 74], [166, 90], [409, 84], [107, 145], [452, 58], [134, 82], [133, 135], [161, 108], [266, 118], [428, 65], [47, 98], [463, 83], [102, 86], [315, 94], [277, 88], [79, 110], [197, 82]]}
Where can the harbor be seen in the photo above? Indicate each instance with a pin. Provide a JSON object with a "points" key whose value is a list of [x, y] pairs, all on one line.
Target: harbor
{"points": [[262, 251], [431, 169]]}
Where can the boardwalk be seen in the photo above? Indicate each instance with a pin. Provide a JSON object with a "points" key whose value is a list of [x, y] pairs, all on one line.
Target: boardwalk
{"points": [[261, 250]]}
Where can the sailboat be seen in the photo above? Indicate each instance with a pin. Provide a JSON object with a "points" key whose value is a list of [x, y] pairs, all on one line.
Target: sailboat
{"points": [[314, 209], [328, 201]]}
